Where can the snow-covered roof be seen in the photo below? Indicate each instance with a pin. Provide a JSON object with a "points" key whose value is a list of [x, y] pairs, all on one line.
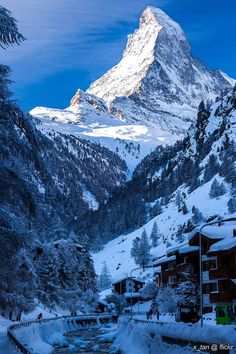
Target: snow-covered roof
{"points": [[224, 245], [215, 232], [182, 248], [173, 249], [102, 302], [164, 260], [105, 293], [188, 249], [125, 277]]}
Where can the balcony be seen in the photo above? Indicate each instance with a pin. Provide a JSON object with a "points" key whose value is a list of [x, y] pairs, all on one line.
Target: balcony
{"points": [[221, 273], [221, 297]]}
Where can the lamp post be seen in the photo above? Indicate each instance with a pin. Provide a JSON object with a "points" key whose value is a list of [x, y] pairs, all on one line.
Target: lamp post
{"points": [[218, 220], [131, 276]]}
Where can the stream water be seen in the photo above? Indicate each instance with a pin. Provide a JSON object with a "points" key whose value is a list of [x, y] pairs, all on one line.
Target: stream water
{"points": [[85, 341]]}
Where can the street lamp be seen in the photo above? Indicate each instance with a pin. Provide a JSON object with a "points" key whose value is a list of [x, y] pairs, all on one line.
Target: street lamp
{"points": [[131, 276], [218, 220]]}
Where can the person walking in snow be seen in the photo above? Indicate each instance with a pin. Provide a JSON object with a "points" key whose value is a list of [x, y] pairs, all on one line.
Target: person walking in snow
{"points": [[158, 315]]}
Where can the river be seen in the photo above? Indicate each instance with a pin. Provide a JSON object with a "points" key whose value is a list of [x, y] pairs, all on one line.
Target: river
{"points": [[88, 341]]}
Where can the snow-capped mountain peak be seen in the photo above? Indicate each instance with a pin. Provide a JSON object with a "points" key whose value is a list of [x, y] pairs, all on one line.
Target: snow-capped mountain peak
{"points": [[149, 98], [158, 82]]}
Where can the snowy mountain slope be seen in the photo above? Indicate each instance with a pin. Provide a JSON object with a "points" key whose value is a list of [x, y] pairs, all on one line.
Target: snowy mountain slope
{"points": [[174, 183], [116, 253], [157, 81], [50, 181], [132, 142]]}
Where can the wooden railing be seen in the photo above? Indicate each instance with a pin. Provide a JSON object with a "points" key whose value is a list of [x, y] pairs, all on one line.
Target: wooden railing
{"points": [[83, 320], [221, 273], [222, 297]]}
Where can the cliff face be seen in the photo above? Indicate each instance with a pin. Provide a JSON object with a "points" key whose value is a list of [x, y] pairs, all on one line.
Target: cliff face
{"points": [[158, 82]]}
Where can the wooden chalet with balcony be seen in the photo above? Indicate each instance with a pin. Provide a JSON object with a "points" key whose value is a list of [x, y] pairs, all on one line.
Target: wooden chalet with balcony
{"points": [[129, 287], [218, 263]]}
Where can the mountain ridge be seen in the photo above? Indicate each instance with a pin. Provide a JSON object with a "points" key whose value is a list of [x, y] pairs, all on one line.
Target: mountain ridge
{"points": [[149, 98]]}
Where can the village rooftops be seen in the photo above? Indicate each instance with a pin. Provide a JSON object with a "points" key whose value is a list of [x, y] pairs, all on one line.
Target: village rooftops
{"points": [[215, 232], [224, 245], [164, 260], [181, 248]]}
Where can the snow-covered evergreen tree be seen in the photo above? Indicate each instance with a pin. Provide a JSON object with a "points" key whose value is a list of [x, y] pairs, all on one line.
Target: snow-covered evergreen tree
{"points": [[66, 277], [197, 216], [232, 205], [217, 189], [141, 249], [184, 207], [178, 200], [165, 300], [119, 302], [105, 278], [155, 234], [187, 289], [150, 290], [9, 33]]}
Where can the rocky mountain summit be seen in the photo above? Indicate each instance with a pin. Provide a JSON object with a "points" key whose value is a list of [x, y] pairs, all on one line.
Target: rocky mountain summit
{"points": [[149, 98], [158, 81]]}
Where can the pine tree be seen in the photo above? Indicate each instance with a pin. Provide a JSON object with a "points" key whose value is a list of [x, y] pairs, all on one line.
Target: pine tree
{"points": [[217, 189], [187, 289], [178, 200], [197, 216], [9, 33], [211, 169], [184, 208], [105, 278], [134, 252], [144, 249], [155, 234], [232, 205], [140, 250]]}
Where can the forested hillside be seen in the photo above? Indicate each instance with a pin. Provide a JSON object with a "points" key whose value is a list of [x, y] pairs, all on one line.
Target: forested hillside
{"points": [[170, 175]]}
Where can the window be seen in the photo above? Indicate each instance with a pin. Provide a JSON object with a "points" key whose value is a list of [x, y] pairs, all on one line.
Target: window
{"points": [[213, 264], [210, 287], [208, 265], [172, 280], [171, 266]]}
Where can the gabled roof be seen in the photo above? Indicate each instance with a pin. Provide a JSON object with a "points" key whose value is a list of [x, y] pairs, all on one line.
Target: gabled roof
{"points": [[223, 245], [182, 248], [215, 232], [164, 260]]}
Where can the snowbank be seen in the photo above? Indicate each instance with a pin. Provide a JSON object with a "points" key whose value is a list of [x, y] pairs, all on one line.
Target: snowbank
{"points": [[41, 336], [147, 337]]}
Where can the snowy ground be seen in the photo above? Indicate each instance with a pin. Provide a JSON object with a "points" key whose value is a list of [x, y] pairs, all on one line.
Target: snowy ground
{"points": [[116, 253], [5, 345], [146, 337]]}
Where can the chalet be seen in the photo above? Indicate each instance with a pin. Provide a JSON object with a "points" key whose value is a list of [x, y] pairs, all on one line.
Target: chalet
{"points": [[101, 306], [179, 259], [129, 287], [218, 262]]}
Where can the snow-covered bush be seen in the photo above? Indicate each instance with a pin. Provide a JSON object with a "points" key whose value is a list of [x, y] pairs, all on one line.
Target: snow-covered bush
{"points": [[150, 290], [165, 301]]}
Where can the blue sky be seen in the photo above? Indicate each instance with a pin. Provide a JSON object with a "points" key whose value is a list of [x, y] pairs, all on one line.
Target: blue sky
{"points": [[70, 43]]}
